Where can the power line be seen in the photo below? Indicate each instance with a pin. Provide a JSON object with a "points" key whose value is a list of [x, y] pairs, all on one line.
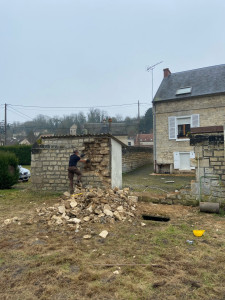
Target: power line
{"points": [[71, 107], [18, 112]]}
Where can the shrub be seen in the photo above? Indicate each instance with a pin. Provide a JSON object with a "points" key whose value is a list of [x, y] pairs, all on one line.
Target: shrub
{"points": [[22, 152], [9, 172]]}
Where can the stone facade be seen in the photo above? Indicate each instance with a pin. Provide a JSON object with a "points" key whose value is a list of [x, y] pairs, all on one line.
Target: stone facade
{"points": [[210, 167], [49, 161], [211, 111], [135, 157]]}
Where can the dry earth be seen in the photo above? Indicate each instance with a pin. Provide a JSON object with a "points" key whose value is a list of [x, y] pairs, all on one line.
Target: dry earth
{"points": [[139, 259]]}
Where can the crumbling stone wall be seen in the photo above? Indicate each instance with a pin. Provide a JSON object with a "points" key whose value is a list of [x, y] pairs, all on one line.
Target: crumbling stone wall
{"points": [[134, 157], [49, 162]]}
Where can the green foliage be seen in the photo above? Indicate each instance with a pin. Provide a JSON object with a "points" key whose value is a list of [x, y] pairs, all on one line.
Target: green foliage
{"points": [[146, 122], [22, 152], [9, 172]]}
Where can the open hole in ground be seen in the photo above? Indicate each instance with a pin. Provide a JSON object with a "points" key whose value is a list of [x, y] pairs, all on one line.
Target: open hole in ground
{"points": [[155, 218]]}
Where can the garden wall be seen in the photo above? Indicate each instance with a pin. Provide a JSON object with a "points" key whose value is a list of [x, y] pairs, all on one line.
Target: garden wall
{"points": [[135, 157]]}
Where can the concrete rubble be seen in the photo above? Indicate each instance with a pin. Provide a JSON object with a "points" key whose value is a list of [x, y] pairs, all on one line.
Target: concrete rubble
{"points": [[91, 205]]}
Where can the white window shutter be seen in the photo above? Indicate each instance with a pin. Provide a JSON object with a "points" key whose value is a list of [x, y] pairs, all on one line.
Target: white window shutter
{"points": [[172, 128], [176, 160], [195, 120]]}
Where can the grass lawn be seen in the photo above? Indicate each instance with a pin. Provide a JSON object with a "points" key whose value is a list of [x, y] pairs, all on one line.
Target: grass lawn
{"points": [[155, 261], [143, 179]]}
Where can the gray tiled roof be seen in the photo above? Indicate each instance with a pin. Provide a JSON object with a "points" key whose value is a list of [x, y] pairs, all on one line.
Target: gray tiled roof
{"points": [[204, 81]]}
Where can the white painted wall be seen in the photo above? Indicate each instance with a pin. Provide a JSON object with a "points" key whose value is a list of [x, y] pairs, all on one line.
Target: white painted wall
{"points": [[116, 164]]}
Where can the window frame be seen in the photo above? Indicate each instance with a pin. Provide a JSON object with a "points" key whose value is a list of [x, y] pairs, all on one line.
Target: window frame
{"points": [[173, 126]]}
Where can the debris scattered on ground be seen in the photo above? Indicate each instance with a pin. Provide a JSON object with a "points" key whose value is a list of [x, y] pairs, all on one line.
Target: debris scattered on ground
{"points": [[12, 220], [103, 234], [190, 242], [88, 205]]}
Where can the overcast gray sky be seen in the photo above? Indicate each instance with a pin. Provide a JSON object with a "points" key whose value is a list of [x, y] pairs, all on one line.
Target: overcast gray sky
{"points": [[94, 53]]}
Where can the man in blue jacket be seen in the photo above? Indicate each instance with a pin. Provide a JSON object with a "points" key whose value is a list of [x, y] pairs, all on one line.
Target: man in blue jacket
{"points": [[72, 169]]}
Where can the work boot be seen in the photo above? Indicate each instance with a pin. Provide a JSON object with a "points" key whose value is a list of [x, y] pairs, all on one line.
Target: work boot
{"points": [[78, 183], [71, 192]]}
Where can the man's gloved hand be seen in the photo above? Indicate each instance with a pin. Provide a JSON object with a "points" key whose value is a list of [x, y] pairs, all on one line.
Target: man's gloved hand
{"points": [[82, 155], [88, 161]]}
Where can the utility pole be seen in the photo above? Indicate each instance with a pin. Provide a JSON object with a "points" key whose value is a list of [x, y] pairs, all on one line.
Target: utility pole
{"points": [[151, 68], [138, 123], [5, 124], [138, 111]]}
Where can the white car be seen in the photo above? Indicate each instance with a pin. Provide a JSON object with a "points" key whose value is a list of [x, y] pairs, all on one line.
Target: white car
{"points": [[24, 173]]}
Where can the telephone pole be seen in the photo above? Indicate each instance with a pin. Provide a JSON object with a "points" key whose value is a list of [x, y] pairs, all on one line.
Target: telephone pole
{"points": [[138, 111], [5, 124]]}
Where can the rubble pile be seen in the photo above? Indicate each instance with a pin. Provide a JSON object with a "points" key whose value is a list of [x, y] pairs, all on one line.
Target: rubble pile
{"points": [[92, 205]]}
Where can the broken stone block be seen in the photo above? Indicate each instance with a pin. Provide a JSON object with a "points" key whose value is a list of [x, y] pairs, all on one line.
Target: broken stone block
{"points": [[103, 234], [57, 220], [133, 199], [86, 219], [87, 236], [73, 203], [117, 216], [120, 208], [61, 209], [108, 212], [66, 194], [90, 208], [74, 220], [98, 211], [107, 206], [7, 221], [67, 204], [101, 215]]}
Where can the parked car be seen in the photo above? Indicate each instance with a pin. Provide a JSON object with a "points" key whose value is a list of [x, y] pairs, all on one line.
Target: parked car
{"points": [[24, 173]]}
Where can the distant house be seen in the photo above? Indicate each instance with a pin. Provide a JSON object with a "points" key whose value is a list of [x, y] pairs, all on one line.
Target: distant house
{"points": [[73, 129], [24, 142], [144, 140], [183, 101]]}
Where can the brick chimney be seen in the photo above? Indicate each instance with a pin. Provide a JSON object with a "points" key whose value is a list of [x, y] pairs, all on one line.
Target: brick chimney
{"points": [[166, 72]]}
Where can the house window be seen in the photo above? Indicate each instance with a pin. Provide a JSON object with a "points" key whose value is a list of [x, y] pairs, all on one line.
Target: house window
{"points": [[183, 127], [180, 126], [185, 90], [129, 143]]}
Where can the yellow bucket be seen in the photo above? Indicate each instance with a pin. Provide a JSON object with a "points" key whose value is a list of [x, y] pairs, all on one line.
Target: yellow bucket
{"points": [[198, 232]]}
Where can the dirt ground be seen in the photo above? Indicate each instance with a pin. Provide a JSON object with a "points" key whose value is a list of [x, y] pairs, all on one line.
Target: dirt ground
{"points": [[142, 259]]}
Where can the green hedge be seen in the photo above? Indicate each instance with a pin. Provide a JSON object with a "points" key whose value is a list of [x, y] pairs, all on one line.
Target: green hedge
{"points": [[22, 152], [9, 172]]}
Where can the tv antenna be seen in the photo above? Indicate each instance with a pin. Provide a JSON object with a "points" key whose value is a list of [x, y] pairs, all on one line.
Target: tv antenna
{"points": [[151, 68]]}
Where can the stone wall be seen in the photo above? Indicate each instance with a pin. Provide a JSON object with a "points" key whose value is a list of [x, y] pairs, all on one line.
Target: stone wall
{"points": [[210, 168], [135, 157], [50, 162], [211, 111]]}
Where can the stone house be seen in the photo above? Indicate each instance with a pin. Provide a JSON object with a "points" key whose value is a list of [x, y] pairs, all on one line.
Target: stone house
{"points": [[49, 161], [185, 100], [144, 140], [73, 129]]}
